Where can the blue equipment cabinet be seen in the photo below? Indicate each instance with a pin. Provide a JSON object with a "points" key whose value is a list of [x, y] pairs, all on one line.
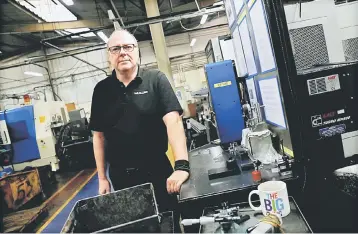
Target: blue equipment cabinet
{"points": [[225, 99], [21, 126]]}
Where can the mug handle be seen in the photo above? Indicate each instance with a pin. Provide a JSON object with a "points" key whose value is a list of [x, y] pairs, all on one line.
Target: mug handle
{"points": [[252, 206]]}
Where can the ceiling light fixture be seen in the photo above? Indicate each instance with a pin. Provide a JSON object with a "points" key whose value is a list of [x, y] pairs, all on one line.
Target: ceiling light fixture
{"points": [[219, 3], [50, 11], [78, 30], [68, 2], [103, 36], [30, 73], [203, 19], [192, 43]]}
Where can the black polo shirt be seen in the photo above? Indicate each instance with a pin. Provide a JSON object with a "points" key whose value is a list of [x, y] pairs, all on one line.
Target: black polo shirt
{"points": [[131, 117]]}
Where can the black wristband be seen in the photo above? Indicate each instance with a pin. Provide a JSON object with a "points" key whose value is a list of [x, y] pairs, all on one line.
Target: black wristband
{"points": [[182, 165]]}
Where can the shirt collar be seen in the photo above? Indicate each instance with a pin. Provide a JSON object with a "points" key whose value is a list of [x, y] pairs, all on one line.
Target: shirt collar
{"points": [[137, 78]]}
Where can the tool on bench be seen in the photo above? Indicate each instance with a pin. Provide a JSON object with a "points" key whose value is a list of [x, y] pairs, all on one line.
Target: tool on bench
{"points": [[229, 219]]}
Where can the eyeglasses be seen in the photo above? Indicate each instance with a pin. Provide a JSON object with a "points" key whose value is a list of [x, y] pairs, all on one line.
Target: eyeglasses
{"points": [[117, 49]]}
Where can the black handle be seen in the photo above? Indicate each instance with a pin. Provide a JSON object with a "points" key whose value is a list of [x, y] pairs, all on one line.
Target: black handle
{"points": [[243, 218]]}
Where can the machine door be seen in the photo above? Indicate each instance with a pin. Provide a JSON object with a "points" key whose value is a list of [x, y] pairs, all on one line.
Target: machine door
{"points": [[225, 100], [21, 126]]}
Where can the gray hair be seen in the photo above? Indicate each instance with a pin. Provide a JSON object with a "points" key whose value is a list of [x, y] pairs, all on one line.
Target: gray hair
{"points": [[122, 31]]}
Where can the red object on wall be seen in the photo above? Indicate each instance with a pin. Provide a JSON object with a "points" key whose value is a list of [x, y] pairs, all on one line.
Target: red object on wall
{"points": [[27, 98]]}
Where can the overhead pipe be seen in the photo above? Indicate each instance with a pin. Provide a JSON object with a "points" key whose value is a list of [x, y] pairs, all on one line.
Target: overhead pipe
{"points": [[151, 20], [82, 60], [25, 10], [27, 62], [116, 11], [68, 51]]}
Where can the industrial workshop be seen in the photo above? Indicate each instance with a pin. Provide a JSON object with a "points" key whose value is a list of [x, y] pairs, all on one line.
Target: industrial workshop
{"points": [[179, 116]]}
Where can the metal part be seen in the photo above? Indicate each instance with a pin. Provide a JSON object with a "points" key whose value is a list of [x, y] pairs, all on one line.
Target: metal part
{"points": [[81, 73], [138, 6], [228, 218], [198, 127], [115, 23], [207, 128], [25, 10], [152, 20], [82, 60], [67, 51], [178, 16], [48, 26], [43, 59], [116, 11]]}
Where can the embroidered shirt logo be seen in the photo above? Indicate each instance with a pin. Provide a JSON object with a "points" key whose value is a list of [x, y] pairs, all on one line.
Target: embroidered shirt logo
{"points": [[140, 92]]}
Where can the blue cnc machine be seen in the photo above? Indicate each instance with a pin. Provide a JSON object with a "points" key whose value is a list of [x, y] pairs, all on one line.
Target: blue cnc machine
{"points": [[225, 99]]}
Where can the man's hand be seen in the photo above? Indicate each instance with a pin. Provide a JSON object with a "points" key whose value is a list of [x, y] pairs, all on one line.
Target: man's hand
{"points": [[175, 181], [104, 186]]}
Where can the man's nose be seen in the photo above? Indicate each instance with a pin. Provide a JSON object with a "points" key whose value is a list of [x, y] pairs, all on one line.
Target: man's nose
{"points": [[122, 52]]}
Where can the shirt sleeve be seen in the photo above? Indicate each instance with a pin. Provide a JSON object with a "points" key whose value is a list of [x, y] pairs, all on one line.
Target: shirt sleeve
{"points": [[167, 99], [96, 119]]}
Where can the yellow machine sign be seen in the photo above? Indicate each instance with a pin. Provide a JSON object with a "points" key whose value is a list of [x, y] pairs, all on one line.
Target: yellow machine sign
{"points": [[222, 84], [42, 119]]}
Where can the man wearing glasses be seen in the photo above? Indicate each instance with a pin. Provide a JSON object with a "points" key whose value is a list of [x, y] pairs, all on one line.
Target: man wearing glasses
{"points": [[136, 112]]}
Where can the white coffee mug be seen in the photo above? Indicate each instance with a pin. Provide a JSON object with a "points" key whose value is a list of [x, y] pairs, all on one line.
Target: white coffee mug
{"points": [[273, 198]]}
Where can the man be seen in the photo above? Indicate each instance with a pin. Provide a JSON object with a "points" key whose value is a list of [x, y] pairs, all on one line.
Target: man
{"points": [[135, 111]]}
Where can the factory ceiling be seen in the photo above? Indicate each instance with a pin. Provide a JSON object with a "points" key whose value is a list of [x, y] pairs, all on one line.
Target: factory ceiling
{"points": [[25, 23]]}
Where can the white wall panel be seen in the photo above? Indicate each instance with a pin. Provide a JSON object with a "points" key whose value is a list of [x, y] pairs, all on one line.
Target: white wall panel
{"points": [[347, 15]]}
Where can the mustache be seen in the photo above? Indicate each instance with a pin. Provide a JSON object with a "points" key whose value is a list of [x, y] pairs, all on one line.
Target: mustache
{"points": [[124, 58]]}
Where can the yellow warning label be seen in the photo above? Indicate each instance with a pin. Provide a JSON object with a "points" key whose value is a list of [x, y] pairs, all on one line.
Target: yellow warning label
{"points": [[42, 119], [222, 84], [288, 151]]}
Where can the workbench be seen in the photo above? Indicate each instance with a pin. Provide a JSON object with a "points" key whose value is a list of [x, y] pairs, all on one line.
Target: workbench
{"points": [[294, 222], [199, 192]]}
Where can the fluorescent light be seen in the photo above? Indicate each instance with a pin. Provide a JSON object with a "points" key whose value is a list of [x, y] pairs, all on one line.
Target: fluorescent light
{"points": [[77, 30], [30, 73], [103, 36], [48, 10], [68, 2], [203, 19], [193, 42], [218, 3]]}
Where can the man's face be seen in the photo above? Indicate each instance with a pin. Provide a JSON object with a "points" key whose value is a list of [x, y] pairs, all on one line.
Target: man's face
{"points": [[123, 52]]}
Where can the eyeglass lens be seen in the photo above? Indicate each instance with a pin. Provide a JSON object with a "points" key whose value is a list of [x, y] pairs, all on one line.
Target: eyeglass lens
{"points": [[117, 49]]}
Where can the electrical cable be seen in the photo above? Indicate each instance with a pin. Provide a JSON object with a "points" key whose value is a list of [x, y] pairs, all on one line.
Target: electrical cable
{"points": [[188, 29], [60, 76], [273, 220]]}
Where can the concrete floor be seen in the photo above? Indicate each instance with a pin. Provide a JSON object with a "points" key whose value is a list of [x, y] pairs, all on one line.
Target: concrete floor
{"points": [[67, 185]]}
